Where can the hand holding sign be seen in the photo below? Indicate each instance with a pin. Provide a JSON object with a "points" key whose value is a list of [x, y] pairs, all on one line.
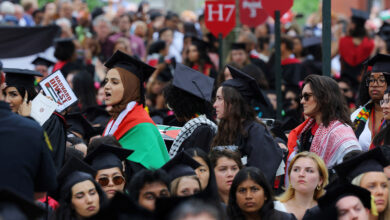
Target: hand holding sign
{"points": [[281, 5], [58, 88]]}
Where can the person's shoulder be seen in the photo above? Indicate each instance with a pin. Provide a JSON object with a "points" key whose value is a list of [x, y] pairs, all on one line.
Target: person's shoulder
{"points": [[275, 214], [24, 123]]}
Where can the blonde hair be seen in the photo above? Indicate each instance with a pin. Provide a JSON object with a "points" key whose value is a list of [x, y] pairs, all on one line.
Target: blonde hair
{"points": [[322, 169], [386, 213], [175, 184]]}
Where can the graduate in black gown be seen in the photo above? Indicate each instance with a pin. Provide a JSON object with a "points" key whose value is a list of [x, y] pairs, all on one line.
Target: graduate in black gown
{"points": [[239, 127], [19, 93], [189, 96]]}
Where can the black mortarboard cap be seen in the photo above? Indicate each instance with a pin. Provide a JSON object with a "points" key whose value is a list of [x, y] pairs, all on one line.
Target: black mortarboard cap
{"points": [[131, 64], [64, 40], [360, 15], [181, 165], [245, 85], [370, 161], [311, 41], [14, 205], [336, 191], [20, 77], [74, 171], [380, 63], [97, 115], [42, 61], [106, 156], [79, 124], [238, 46], [193, 82], [199, 43]]}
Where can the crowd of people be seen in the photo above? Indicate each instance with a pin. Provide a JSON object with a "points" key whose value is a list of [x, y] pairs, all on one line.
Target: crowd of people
{"points": [[141, 73]]}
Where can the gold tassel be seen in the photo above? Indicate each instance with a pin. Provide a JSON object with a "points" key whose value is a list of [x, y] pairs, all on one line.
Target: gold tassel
{"points": [[374, 211]]}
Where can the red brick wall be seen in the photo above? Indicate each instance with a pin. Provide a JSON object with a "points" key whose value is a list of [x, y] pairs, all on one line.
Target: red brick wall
{"points": [[344, 6]]}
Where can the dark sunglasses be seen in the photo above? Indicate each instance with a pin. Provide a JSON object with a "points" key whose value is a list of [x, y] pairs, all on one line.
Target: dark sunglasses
{"points": [[305, 96], [117, 180]]}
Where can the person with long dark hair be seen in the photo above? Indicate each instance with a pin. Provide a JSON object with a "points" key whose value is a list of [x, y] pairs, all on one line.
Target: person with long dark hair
{"points": [[356, 47], [198, 59], [239, 126], [251, 197], [80, 197], [84, 88], [189, 96], [19, 93], [367, 119], [383, 137], [326, 131]]}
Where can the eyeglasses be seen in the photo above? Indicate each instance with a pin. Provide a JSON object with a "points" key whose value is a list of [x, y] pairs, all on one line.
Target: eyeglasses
{"points": [[384, 101], [117, 180], [381, 81], [305, 96]]}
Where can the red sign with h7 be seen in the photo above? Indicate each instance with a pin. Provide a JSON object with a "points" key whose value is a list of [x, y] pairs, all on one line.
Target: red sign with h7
{"points": [[220, 16]]}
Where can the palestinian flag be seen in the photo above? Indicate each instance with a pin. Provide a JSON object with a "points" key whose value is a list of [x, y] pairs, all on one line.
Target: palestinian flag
{"points": [[19, 46]]}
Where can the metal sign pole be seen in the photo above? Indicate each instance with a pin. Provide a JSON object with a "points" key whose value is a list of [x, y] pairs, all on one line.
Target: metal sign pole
{"points": [[326, 37], [278, 68]]}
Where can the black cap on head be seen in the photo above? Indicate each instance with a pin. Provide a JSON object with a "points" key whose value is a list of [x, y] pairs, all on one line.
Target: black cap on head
{"points": [[311, 41], [380, 63], [131, 64], [80, 125], [245, 85], [74, 171], [238, 46], [106, 156], [360, 15], [337, 191], [199, 43], [193, 82], [63, 41], [25, 209], [370, 161], [42, 61], [20, 77], [181, 165]]}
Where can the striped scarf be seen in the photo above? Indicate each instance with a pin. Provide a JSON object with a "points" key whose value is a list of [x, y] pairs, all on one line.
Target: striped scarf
{"points": [[361, 119]]}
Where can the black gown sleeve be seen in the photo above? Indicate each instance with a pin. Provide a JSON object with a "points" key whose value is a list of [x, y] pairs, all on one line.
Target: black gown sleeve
{"points": [[262, 151], [56, 132], [200, 138]]}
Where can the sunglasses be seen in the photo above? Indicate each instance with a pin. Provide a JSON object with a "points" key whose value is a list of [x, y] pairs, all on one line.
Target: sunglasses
{"points": [[117, 180], [384, 101], [305, 96]]}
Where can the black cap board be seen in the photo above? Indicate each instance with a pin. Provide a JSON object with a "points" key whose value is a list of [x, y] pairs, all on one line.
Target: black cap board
{"points": [[238, 46], [370, 161], [79, 124], [311, 41], [106, 156], [131, 64], [181, 165], [42, 61], [64, 40], [245, 85], [199, 43], [193, 82], [380, 63], [74, 171], [337, 191], [360, 15], [20, 77], [14, 205]]}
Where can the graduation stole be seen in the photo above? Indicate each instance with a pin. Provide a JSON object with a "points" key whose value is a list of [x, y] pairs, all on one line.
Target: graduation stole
{"points": [[361, 120]]}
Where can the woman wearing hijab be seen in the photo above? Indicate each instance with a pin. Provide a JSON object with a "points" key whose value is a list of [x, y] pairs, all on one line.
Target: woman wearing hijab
{"points": [[130, 123]]}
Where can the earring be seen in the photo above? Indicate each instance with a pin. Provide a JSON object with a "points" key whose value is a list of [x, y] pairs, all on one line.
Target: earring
{"points": [[318, 187]]}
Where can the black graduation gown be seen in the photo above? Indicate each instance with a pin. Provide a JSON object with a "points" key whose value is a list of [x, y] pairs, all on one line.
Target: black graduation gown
{"points": [[261, 149], [56, 131], [25, 162], [275, 214], [200, 138], [292, 73]]}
